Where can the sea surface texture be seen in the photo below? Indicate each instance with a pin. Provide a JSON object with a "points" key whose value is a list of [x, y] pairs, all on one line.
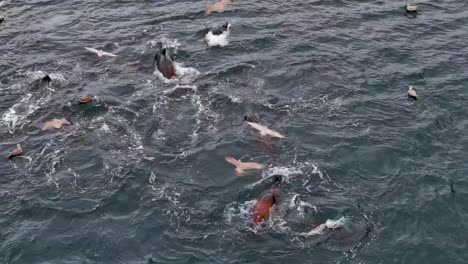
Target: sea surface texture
{"points": [[368, 174]]}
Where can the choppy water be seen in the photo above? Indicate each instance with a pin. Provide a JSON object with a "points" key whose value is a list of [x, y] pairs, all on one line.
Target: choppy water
{"points": [[140, 176]]}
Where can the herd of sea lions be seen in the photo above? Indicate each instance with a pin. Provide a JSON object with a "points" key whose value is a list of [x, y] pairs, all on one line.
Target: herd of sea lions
{"points": [[164, 62]]}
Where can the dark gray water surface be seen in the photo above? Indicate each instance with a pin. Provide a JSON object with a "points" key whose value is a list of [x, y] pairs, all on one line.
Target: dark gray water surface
{"points": [[140, 176]]}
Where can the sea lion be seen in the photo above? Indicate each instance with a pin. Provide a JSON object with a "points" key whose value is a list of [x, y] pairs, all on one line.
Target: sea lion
{"points": [[85, 99], [16, 152], [264, 131], [241, 167], [165, 64], [217, 7], [46, 79], [266, 202], [411, 8], [55, 124], [412, 93], [1, 19], [218, 36], [101, 53]]}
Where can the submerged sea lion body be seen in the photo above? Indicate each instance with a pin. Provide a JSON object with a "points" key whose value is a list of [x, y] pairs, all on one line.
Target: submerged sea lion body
{"points": [[165, 64], [265, 203]]}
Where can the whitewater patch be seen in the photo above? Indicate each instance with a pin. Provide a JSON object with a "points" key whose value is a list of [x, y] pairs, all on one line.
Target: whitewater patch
{"points": [[329, 224], [217, 40]]}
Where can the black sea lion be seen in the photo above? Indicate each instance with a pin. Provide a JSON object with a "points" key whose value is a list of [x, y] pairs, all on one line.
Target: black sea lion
{"points": [[165, 64], [46, 79], [221, 29]]}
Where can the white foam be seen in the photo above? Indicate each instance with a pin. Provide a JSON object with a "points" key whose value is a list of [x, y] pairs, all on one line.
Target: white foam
{"points": [[284, 171], [17, 114], [300, 205], [105, 128], [235, 99], [183, 74], [237, 210], [329, 224], [217, 40]]}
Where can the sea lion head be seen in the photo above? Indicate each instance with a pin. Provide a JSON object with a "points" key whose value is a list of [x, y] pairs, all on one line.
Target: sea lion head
{"points": [[277, 178], [249, 119], [46, 79], [226, 25]]}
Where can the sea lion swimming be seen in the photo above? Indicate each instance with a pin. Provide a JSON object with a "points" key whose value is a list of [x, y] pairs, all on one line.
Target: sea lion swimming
{"points": [[218, 36], [411, 8], [85, 99], [165, 64], [16, 152], [266, 202], [46, 79], [241, 167], [412, 93]]}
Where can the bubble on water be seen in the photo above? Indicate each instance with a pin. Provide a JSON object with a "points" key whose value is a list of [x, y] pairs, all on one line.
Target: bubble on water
{"points": [[239, 211]]}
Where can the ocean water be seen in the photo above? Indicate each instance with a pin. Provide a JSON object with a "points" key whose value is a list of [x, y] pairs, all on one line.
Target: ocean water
{"points": [[369, 175]]}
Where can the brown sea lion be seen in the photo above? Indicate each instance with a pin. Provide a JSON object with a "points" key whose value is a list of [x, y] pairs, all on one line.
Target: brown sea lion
{"points": [[16, 152], [266, 202], [85, 99]]}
